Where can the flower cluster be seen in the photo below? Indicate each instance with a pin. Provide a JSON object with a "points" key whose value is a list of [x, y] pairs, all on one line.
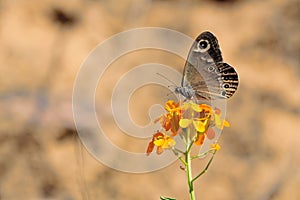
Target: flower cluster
{"points": [[200, 118]]}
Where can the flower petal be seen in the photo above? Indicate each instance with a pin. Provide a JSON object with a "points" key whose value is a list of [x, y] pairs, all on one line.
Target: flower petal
{"points": [[206, 108], [218, 111], [199, 126], [215, 146], [210, 133], [157, 135], [200, 139], [159, 119], [159, 142], [226, 123], [168, 143], [171, 106], [185, 106], [218, 122], [150, 148], [159, 150], [196, 107], [183, 123]]}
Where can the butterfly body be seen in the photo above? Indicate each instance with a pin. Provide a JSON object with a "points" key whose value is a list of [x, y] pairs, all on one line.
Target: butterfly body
{"points": [[205, 75]]}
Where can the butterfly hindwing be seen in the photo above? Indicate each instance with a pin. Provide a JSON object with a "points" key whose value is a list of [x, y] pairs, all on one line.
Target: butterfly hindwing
{"points": [[229, 78]]}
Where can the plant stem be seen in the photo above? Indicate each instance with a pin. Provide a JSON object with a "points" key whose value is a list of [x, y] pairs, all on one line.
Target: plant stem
{"points": [[202, 154], [189, 166], [206, 168], [189, 175]]}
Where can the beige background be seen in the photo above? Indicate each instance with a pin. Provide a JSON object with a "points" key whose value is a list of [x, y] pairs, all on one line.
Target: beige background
{"points": [[43, 43]]}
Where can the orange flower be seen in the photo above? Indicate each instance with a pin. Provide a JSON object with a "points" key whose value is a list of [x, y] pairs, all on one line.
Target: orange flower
{"points": [[161, 141], [200, 117], [170, 121], [206, 108], [172, 107], [200, 139]]}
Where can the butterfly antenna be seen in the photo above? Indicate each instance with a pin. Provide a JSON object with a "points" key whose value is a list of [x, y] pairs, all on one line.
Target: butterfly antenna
{"points": [[170, 94], [174, 84]]}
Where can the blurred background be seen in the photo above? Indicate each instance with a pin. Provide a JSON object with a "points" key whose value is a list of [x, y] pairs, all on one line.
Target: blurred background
{"points": [[42, 45]]}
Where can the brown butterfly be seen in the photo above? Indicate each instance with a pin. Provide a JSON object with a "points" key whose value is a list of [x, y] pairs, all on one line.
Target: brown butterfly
{"points": [[206, 76]]}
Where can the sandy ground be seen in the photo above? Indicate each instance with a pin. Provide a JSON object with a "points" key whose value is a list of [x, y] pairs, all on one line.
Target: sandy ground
{"points": [[42, 45]]}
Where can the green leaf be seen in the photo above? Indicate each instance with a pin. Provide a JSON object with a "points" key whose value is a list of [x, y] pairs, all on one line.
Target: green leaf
{"points": [[166, 198]]}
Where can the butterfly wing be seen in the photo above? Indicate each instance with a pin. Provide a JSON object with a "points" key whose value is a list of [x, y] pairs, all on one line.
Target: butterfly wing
{"points": [[229, 79], [205, 75]]}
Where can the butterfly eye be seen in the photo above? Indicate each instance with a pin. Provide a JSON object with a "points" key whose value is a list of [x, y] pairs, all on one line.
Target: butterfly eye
{"points": [[203, 46]]}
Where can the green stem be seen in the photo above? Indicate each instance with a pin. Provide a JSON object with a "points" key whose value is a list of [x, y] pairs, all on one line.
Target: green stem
{"points": [[176, 152], [188, 162], [182, 161], [202, 154], [205, 169]]}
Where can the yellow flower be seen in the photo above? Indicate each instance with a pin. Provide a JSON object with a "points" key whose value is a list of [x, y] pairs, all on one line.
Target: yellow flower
{"points": [[215, 146], [200, 125], [219, 123], [200, 117], [184, 123], [161, 141]]}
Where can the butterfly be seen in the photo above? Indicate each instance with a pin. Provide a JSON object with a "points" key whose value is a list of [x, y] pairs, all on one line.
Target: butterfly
{"points": [[205, 75]]}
